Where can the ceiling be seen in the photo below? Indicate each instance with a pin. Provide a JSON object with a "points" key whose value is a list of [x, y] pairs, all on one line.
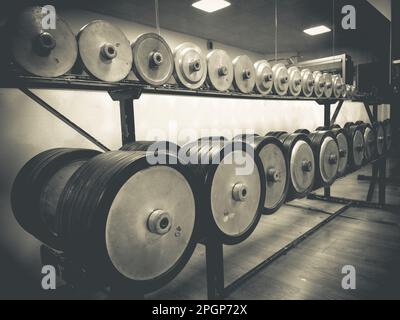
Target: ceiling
{"points": [[250, 24]]}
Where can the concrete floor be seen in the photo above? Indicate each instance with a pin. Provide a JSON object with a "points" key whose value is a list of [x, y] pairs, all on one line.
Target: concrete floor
{"points": [[367, 239]]}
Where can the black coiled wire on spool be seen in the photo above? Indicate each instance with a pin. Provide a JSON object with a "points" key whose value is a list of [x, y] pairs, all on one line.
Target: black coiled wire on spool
{"points": [[274, 158], [37, 190], [231, 203], [301, 163], [119, 214]]}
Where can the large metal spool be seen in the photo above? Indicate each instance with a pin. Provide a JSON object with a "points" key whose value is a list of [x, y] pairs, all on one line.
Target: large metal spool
{"points": [[45, 53], [130, 223], [281, 79], [328, 89], [301, 162], [155, 147], [105, 51], [37, 190], [307, 82], [190, 65], [370, 140], [357, 144], [387, 126], [219, 70], [276, 169], [319, 84], [380, 138], [338, 86], [295, 79], [153, 61], [232, 188], [326, 152], [244, 78], [264, 77], [343, 144]]}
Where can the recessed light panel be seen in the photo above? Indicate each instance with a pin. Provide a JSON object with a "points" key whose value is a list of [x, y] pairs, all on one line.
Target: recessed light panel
{"points": [[317, 30], [211, 5]]}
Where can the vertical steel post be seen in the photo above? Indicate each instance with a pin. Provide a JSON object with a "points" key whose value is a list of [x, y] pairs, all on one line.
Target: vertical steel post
{"points": [[327, 124], [215, 269], [127, 121]]}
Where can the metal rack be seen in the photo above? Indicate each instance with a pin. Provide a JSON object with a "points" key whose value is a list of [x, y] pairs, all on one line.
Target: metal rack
{"points": [[126, 92]]}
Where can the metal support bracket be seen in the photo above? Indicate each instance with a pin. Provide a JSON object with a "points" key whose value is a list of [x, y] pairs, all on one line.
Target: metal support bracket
{"points": [[336, 113], [64, 119], [126, 99]]}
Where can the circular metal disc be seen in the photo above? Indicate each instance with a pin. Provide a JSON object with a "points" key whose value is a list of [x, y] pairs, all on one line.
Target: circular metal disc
{"points": [[338, 86], [244, 74], [358, 154], [319, 85], [347, 92], [281, 79], [152, 59], [31, 45], [388, 135], [370, 143], [136, 252], [233, 217], [307, 82], [380, 138], [264, 77], [273, 158], [190, 65], [328, 169], [344, 157], [294, 81], [93, 39], [328, 85], [301, 180], [220, 70]]}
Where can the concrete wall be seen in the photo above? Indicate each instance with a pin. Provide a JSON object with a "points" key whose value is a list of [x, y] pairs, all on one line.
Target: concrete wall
{"points": [[26, 129]]}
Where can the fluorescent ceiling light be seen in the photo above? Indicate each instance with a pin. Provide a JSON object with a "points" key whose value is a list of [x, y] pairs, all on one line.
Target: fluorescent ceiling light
{"points": [[211, 5], [317, 30]]}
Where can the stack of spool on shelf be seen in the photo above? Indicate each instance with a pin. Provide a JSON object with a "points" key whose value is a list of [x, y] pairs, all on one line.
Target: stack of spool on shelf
{"points": [[355, 137], [276, 168], [153, 61], [308, 82], [343, 145], [156, 147], [380, 138], [190, 65], [370, 151], [113, 214], [387, 126], [301, 163], [326, 154], [37, 190], [44, 53], [219, 70], [244, 78], [231, 184], [105, 53]]}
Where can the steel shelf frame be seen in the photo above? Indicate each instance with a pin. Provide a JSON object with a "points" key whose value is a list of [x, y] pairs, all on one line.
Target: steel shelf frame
{"points": [[126, 92]]}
